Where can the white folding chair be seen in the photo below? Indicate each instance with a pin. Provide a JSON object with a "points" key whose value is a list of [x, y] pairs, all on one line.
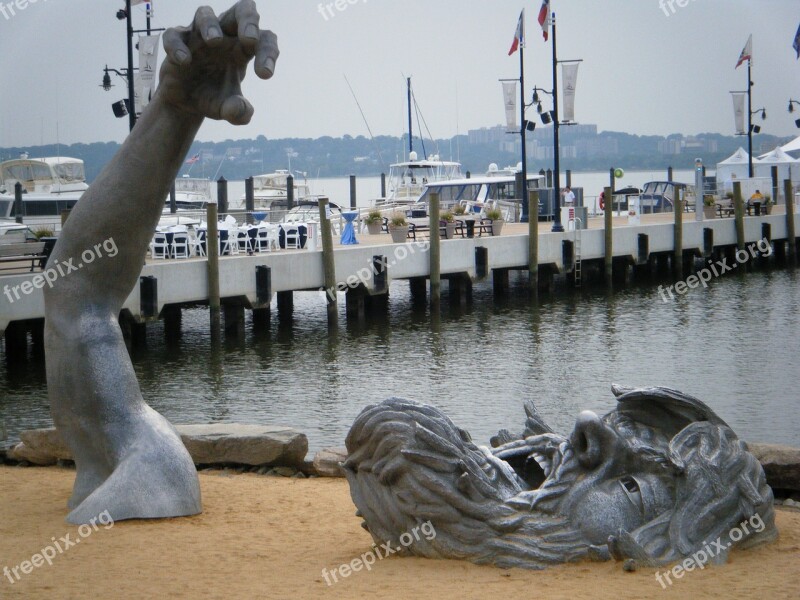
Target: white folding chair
{"points": [[159, 248], [199, 243], [291, 237], [180, 245]]}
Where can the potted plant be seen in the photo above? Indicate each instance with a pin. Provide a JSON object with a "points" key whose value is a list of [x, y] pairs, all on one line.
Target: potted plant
{"points": [[709, 207], [374, 222], [459, 210], [768, 204], [449, 221], [398, 228], [496, 217]]}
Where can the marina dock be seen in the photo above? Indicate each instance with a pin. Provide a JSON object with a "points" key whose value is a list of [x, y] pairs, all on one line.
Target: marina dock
{"points": [[365, 271]]}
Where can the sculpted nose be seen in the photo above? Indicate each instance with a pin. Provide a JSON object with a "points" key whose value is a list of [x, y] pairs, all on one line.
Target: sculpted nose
{"points": [[591, 440]]}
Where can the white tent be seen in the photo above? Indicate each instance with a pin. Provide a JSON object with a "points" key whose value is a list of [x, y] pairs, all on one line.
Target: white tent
{"points": [[793, 146], [788, 167], [735, 167]]}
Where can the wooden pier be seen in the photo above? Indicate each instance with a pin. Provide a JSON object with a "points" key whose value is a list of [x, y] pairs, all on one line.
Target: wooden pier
{"points": [[365, 271]]}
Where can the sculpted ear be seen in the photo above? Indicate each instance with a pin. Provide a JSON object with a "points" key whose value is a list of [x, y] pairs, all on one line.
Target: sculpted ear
{"points": [[662, 408]]}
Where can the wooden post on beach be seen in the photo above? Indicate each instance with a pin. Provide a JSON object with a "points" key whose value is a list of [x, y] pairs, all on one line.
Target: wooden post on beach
{"points": [[677, 257], [609, 236], [738, 206], [435, 252], [329, 262], [533, 241], [790, 229], [212, 252]]}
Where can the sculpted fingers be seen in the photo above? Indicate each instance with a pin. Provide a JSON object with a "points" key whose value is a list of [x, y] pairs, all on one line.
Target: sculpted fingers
{"points": [[208, 26], [237, 110], [267, 54], [175, 45], [242, 21]]}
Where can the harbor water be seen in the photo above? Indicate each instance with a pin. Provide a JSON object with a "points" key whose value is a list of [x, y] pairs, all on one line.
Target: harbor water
{"points": [[734, 345]]}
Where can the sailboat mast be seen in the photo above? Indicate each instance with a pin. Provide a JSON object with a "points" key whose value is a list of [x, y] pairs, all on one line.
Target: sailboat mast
{"points": [[410, 133]]}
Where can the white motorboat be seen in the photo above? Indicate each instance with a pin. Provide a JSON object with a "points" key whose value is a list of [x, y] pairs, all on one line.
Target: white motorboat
{"points": [[49, 186], [407, 180], [270, 190]]}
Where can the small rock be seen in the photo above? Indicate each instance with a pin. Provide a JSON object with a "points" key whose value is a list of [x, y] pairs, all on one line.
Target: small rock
{"points": [[299, 475], [791, 503], [263, 470], [629, 565], [273, 473], [285, 471], [327, 462]]}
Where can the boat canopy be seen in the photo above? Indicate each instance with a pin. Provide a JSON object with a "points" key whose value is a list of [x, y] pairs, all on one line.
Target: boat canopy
{"points": [[46, 175]]}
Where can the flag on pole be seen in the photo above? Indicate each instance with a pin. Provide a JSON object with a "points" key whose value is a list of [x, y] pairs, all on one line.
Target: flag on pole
{"points": [[193, 160], [796, 44], [519, 35], [747, 52], [544, 18]]}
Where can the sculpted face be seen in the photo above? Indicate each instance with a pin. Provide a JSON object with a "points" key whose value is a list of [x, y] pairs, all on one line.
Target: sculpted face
{"points": [[654, 480]]}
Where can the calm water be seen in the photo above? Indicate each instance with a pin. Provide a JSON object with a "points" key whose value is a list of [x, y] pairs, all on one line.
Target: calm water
{"points": [[735, 346]]}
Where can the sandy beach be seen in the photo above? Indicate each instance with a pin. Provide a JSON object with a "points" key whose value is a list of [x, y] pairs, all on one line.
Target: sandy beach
{"points": [[271, 537]]}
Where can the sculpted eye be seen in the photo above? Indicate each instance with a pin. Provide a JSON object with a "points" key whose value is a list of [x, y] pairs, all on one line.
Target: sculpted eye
{"points": [[631, 488]]}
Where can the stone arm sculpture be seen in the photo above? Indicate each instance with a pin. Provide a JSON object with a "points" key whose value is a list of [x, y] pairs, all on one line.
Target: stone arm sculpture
{"points": [[129, 459]]}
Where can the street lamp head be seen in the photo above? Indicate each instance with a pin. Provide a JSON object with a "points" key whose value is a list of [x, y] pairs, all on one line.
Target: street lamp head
{"points": [[107, 82], [763, 114], [791, 106], [536, 96]]}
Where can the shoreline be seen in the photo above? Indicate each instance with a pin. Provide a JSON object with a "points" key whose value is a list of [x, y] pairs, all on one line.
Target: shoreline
{"points": [[271, 537]]}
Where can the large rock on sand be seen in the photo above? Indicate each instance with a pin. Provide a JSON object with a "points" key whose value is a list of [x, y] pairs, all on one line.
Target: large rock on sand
{"points": [[327, 462], [781, 465], [225, 443]]}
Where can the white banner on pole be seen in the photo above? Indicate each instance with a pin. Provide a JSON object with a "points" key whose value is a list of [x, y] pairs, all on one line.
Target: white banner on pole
{"points": [[738, 111], [510, 100], [569, 75], [144, 83]]}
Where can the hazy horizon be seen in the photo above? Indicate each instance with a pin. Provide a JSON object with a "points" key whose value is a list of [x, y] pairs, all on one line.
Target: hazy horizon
{"points": [[646, 70]]}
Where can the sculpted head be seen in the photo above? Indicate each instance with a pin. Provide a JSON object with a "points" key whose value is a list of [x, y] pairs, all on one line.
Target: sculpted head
{"points": [[658, 479]]}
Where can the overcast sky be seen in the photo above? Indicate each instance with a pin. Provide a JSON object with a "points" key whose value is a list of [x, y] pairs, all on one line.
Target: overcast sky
{"points": [[643, 72]]}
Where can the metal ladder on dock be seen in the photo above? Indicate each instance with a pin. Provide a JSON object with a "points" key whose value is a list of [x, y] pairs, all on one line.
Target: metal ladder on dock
{"points": [[577, 249]]}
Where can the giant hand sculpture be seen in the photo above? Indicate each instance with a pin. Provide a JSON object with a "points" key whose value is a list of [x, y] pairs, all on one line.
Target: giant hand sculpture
{"points": [[129, 459], [658, 479]]}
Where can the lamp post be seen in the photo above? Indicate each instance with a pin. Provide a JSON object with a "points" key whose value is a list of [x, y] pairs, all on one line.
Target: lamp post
{"points": [[791, 110], [128, 73]]}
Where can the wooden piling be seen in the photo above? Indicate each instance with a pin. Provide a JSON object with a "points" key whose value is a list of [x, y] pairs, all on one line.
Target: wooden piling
{"points": [[383, 185], [249, 199], [435, 252], [677, 257], [352, 192], [212, 253], [290, 192], [738, 205], [222, 195], [790, 229], [19, 207], [173, 203], [775, 184], [329, 263], [533, 241], [609, 237]]}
